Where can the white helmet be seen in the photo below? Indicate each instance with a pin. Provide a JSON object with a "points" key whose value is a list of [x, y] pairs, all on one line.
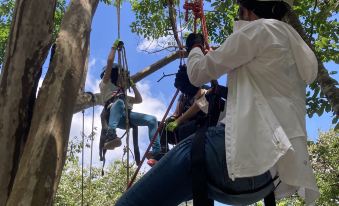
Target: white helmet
{"points": [[289, 2]]}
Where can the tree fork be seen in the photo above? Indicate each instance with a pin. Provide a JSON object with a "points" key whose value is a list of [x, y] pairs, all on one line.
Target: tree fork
{"points": [[45, 151]]}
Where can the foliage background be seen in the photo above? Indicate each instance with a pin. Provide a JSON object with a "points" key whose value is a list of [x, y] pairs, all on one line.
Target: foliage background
{"points": [[320, 20]]}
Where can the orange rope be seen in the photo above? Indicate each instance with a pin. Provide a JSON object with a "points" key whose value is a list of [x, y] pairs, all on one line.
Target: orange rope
{"points": [[153, 139], [197, 8]]}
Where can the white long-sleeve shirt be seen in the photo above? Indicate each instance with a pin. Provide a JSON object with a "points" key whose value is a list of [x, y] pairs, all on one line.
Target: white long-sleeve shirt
{"points": [[268, 66]]}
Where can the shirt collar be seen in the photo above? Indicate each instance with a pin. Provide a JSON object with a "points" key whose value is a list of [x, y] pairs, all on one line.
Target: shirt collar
{"points": [[240, 24]]}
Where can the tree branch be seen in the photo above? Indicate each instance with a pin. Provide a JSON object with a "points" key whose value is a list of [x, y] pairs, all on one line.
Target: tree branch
{"points": [[84, 99], [171, 12]]}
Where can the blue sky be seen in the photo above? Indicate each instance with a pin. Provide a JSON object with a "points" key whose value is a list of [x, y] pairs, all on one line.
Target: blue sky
{"points": [[156, 95]]}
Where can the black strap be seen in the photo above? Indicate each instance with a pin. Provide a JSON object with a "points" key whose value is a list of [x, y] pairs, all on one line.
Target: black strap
{"points": [[103, 162], [199, 173], [269, 200], [136, 144]]}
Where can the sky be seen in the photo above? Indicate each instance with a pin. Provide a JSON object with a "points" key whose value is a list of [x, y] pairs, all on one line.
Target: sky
{"points": [[156, 95]]}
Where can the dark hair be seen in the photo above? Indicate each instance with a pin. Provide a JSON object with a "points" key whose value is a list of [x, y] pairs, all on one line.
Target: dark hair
{"points": [[183, 83], [114, 73], [266, 9]]}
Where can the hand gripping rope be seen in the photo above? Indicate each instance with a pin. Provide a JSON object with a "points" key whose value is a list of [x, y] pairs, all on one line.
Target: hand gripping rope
{"points": [[197, 8]]}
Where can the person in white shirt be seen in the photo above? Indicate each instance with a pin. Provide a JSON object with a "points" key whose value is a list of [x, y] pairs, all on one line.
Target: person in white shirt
{"points": [[268, 67]]}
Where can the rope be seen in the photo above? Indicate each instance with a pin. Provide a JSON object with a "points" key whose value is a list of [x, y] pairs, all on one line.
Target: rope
{"points": [[122, 62], [198, 12], [153, 139], [82, 159], [122, 158], [182, 59], [118, 14], [126, 79], [92, 139]]}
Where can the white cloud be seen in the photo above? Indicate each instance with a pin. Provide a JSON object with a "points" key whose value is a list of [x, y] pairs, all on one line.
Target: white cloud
{"points": [[156, 44], [92, 82]]}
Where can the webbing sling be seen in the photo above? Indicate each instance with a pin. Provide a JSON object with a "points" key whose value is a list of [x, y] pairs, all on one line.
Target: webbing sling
{"points": [[199, 172], [136, 144], [269, 200]]}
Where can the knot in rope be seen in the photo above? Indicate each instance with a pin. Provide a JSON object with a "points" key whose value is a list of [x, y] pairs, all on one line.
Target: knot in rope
{"points": [[197, 8]]}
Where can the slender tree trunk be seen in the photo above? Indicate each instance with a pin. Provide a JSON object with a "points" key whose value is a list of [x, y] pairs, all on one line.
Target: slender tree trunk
{"points": [[45, 152], [28, 44], [327, 84], [84, 100]]}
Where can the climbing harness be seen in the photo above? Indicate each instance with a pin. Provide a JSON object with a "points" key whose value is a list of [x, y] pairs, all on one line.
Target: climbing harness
{"points": [[199, 171]]}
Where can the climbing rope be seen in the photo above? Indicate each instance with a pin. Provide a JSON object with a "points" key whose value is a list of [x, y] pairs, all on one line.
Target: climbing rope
{"points": [[182, 59], [92, 140], [126, 151], [197, 8], [124, 75], [83, 148], [153, 139], [118, 17], [82, 159]]}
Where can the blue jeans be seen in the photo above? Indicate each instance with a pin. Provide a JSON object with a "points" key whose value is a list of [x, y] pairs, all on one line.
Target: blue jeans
{"points": [[169, 182], [117, 119]]}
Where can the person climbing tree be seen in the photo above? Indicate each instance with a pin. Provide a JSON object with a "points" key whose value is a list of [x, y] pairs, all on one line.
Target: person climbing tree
{"points": [[111, 88], [263, 133], [182, 123]]}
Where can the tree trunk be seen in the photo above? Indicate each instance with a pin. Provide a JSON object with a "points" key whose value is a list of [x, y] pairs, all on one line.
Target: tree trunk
{"points": [[45, 152], [84, 100], [28, 44], [327, 84]]}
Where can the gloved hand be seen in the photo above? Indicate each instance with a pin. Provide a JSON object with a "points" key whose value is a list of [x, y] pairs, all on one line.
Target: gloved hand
{"points": [[131, 83], [194, 40], [171, 126], [117, 43]]}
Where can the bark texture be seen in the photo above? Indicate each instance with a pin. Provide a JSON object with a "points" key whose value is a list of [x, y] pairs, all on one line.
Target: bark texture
{"points": [[84, 100], [45, 152], [28, 44], [327, 84]]}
